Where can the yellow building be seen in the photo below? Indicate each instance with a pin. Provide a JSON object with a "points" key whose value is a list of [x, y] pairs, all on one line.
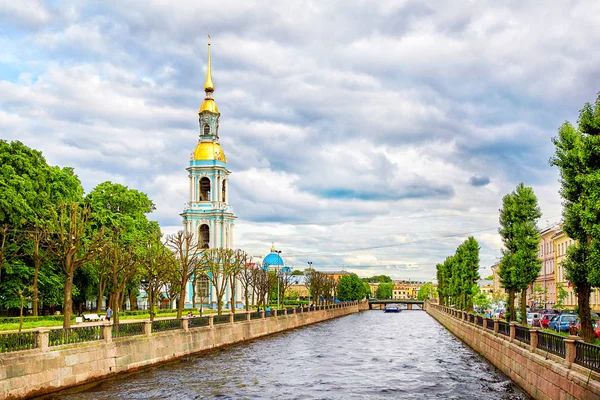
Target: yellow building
{"points": [[496, 285], [406, 290], [561, 243]]}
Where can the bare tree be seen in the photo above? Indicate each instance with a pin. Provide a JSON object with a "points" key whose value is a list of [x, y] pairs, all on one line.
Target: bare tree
{"points": [[217, 265], [245, 278], [238, 264], [285, 280], [158, 262], [188, 253]]}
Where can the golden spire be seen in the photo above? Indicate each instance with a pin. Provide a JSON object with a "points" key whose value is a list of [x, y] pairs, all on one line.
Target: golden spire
{"points": [[209, 86], [209, 103], [272, 247]]}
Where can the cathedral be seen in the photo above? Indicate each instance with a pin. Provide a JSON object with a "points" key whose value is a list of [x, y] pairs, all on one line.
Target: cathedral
{"points": [[207, 214]]}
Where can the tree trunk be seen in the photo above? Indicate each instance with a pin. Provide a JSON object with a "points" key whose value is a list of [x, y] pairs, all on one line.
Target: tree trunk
{"points": [[35, 298], [232, 287], [194, 292], [68, 301], [100, 295], [181, 299], [133, 301], [583, 304], [510, 306], [523, 306]]}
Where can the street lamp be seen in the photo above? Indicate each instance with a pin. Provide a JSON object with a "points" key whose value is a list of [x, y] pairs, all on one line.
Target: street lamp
{"points": [[278, 277], [310, 267]]}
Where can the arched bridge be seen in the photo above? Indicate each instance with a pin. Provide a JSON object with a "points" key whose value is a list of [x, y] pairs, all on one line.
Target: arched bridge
{"points": [[378, 303]]}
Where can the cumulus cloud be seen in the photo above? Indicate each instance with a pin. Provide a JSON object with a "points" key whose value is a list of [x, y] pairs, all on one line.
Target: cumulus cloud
{"points": [[372, 137]]}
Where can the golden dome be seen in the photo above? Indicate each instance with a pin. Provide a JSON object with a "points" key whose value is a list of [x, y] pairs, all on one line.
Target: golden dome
{"points": [[209, 105], [208, 151]]}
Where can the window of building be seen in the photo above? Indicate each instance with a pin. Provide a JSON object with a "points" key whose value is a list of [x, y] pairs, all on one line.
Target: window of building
{"points": [[204, 189], [202, 289], [204, 236], [206, 129], [224, 192]]}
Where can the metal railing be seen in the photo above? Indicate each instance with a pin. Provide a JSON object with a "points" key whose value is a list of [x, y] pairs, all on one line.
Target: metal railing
{"points": [[503, 328], [479, 320], [255, 315], [57, 337], [130, 329], [196, 322], [551, 343], [161, 325], [238, 317], [16, 341], [221, 319], [522, 334], [587, 355], [489, 323], [472, 318]]}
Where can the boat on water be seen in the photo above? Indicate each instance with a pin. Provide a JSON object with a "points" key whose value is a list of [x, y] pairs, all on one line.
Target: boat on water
{"points": [[392, 308]]}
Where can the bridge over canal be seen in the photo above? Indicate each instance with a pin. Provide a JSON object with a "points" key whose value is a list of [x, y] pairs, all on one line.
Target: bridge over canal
{"points": [[410, 303]]}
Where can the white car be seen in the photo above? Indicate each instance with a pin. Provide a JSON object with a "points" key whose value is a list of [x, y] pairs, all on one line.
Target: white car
{"points": [[530, 318]]}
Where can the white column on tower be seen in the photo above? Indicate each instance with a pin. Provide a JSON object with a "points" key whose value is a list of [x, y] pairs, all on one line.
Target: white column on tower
{"points": [[191, 190]]}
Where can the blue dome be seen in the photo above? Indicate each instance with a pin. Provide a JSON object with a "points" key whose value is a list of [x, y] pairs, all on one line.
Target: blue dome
{"points": [[273, 259]]}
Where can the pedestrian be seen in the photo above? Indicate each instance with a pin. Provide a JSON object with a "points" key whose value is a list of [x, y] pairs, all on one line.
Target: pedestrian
{"points": [[536, 323], [108, 313]]}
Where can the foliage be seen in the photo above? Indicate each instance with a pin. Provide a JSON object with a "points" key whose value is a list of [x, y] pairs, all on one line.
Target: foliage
{"points": [[577, 156], [384, 291], [457, 275], [378, 279], [351, 287], [519, 266], [561, 295], [425, 291], [481, 300]]}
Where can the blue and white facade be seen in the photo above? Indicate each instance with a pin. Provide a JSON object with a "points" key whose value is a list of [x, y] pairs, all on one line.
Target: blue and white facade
{"points": [[207, 214]]}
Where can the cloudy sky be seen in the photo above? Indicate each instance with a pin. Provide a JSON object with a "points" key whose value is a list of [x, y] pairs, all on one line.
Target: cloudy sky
{"points": [[369, 136]]}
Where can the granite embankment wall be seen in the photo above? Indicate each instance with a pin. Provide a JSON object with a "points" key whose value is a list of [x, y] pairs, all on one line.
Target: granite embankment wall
{"points": [[47, 369], [541, 374]]}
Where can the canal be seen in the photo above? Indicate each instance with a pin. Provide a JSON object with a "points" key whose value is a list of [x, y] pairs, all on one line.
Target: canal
{"points": [[369, 355]]}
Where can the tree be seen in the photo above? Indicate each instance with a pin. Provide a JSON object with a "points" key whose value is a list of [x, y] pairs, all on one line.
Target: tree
{"points": [[74, 247], [189, 254], [481, 300], [425, 291], [157, 263], [577, 156], [384, 291], [540, 295], [367, 289], [519, 266], [350, 288], [378, 279], [561, 295], [245, 278], [236, 266], [217, 264]]}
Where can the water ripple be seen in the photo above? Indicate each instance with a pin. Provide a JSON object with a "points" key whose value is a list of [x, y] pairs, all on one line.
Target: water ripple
{"points": [[371, 355]]}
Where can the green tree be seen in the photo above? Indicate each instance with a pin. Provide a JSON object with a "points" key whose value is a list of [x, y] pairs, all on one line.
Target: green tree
{"points": [[384, 291], [519, 266], [425, 291], [367, 289], [577, 156], [378, 279], [561, 295], [350, 287], [481, 300]]}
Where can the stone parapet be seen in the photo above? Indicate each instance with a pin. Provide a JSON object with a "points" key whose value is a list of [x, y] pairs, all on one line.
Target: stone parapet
{"points": [[541, 375], [46, 369]]}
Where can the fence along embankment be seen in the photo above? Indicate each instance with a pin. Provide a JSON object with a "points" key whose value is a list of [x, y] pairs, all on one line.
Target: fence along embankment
{"points": [[44, 361], [545, 365]]}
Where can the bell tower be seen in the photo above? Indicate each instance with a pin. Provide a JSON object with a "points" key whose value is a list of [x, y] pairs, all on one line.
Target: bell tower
{"points": [[207, 214]]}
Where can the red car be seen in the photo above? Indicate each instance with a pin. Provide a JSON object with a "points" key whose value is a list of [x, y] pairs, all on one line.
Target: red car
{"points": [[597, 331], [546, 318]]}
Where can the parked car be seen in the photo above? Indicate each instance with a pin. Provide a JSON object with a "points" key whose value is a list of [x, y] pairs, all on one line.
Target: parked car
{"points": [[546, 319], [552, 322], [530, 318], [563, 321], [597, 331]]}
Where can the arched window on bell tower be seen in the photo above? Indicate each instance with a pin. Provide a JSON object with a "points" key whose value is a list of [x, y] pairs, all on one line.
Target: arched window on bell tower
{"points": [[204, 194], [204, 236], [223, 192], [206, 130]]}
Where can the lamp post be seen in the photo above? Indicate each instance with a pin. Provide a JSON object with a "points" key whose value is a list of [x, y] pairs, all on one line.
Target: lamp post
{"points": [[310, 267], [278, 277]]}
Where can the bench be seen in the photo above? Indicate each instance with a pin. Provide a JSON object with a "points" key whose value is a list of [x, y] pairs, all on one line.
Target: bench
{"points": [[91, 317]]}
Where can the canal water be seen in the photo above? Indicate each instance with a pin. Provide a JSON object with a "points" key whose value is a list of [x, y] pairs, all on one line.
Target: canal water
{"points": [[370, 355]]}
